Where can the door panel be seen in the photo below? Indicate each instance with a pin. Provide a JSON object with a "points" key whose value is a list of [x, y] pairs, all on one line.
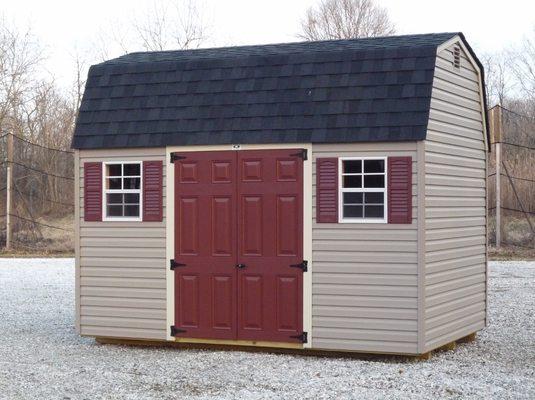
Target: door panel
{"points": [[239, 207], [270, 228], [205, 241]]}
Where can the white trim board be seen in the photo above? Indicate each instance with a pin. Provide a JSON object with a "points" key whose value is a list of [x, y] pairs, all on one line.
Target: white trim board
{"points": [[307, 223]]}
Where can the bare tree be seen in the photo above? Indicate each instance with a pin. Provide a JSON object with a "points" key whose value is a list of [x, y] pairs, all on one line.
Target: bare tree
{"points": [[522, 65], [497, 78], [346, 19]]}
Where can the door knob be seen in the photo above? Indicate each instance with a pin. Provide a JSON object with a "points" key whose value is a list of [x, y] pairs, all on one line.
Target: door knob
{"points": [[240, 266]]}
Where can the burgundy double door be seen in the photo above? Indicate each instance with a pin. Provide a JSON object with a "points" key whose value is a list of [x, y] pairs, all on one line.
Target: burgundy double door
{"points": [[239, 244]]}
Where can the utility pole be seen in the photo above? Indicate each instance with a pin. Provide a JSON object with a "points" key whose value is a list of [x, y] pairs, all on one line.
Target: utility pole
{"points": [[9, 227], [498, 139]]}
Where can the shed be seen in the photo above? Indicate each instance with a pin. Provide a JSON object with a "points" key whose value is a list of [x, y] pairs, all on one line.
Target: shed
{"points": [[321, 195]]}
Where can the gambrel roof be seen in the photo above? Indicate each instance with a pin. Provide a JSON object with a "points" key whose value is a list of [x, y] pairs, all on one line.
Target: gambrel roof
{"points": [[362, 90]]}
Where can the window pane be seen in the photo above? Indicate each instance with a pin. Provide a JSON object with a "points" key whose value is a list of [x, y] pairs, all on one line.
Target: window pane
{"points": [[353, 181], [374, 198], [374, 181], [131, 198], [131, 211], [114, 198], [352, 166], [115, 211], [131, 183], [373, 211], [114, 183], [114, 170], [352, 211], [352, 198], [374, 166], [131, 170]]}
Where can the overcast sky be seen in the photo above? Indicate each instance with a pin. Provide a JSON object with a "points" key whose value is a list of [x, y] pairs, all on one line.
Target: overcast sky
{"points": [[67, 27]]}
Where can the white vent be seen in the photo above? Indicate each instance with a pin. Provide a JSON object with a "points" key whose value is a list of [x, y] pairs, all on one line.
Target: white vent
{"points": [[457, 57]]}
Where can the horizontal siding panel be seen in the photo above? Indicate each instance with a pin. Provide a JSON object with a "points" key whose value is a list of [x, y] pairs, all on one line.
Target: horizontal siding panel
{"points": [[445, 96], [446, 265], [453, 212], [454, 315], [364, 246], [130, 333], [122, 252], [124, 262], [365, 312], [467, 73], [457, 293], [367, 346], [125, 312], [456, 150], [135, 293], [455, 109], [453, 284], [125, 232], [444, 201], [124, 272], [456, 304], [368, 334], [363, 301], [107, 281], [364, 279], [453, 119], [447, 181], [124, 242], [451, 159], [378, 257], [455, 78], [140, 323], [365, 323], [363, 290], [454, 132], [364, 268], [442, 223], [445, 85], [454, 243], [452, 274], [454, 253], [132, 225], [375, 235], [138, 303], [475, 143], [464, 322], [141, 153], [371, 149], [456, 334], [461, 232]]}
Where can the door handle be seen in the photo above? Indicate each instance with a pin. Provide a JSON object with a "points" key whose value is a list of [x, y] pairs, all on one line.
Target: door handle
{"points": [[240, 266]]}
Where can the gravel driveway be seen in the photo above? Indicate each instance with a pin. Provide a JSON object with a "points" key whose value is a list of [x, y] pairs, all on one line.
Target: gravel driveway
{"points": [[42, 357]]}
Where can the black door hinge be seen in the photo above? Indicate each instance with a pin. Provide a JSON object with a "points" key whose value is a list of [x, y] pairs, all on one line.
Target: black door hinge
{"points": [[303, 266], [303, 338], [303, 154], [173, 264], [175, 330], [175, 157]]}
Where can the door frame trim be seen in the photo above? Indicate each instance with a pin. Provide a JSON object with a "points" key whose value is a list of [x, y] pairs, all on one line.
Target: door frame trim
{"points": [[307, 225]]}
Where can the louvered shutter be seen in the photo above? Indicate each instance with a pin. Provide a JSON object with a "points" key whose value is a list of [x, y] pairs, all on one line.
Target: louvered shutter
{"points": [[152, 190], [326, 190], [399, 190], [93, 191]]}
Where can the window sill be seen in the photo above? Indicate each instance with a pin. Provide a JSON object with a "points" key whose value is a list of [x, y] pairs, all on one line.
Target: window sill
{"points": [[122, 219], [362, 221]]}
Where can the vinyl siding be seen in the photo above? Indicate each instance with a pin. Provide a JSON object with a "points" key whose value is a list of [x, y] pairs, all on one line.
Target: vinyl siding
{"points": [[364, 276], [455, 205], [122, 286]]}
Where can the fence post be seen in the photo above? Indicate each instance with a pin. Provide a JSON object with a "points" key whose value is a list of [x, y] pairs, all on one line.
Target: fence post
{"points": [[498, 195], [9, 182]]}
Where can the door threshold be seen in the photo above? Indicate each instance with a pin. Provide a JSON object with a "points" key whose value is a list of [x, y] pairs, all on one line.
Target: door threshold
{"points": [[250, 343]]}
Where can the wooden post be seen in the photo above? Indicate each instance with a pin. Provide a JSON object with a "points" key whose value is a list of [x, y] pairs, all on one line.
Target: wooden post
{"points": [[9, 227], [498, 195]]}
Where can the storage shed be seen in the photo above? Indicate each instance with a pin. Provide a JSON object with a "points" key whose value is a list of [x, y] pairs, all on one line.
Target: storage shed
{"points": [[320, 195]]}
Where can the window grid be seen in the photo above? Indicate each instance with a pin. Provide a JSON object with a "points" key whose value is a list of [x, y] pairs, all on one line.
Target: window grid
{"points": [[128, 204], [372, 206]]}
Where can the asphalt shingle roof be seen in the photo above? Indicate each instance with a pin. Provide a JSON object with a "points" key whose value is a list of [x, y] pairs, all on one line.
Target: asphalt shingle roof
{"points": [[360, 90]]}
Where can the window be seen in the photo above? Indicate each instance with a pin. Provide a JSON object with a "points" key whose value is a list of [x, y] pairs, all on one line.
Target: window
{"points": [[362, 190], [122, 191]]}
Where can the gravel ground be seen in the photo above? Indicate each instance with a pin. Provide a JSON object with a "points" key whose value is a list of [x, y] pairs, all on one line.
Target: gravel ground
{"points": [[41, 356]]}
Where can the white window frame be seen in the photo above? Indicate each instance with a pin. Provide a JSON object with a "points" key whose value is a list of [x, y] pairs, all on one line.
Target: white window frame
{"points": [[342, 190], [106, 191]]}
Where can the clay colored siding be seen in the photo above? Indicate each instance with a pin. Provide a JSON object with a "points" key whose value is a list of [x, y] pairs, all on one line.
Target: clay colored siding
{"points": [[364, 276], [455, 198], [122, 266]]}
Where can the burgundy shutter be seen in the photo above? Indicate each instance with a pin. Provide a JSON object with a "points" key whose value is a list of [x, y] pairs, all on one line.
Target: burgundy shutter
{"points": [[152, 190], [399, 190], [93, 191], [327, 190]]}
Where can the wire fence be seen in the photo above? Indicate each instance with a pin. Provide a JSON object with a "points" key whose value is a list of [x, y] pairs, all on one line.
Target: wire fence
{"points": [[42, 195], [517, 179]]}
